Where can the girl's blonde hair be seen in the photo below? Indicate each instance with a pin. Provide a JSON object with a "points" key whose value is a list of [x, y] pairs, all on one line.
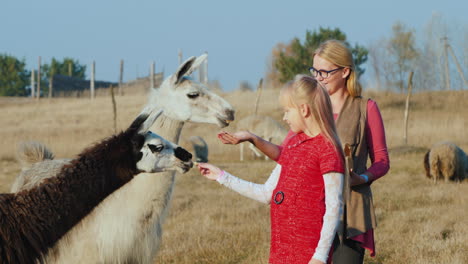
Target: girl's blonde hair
{"points": [[306, 89], [339, 54]]}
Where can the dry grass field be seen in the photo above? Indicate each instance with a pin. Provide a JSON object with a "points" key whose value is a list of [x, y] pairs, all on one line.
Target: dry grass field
{"points": [[418, 221]]}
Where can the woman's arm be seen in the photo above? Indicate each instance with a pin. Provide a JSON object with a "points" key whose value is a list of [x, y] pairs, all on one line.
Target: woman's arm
{"points": [[375, 137], [334, 208], [255, 191], [265, 146]]}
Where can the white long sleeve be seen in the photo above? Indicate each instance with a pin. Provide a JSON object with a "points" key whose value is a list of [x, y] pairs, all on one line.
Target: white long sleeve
{"points": [[333, 209], [258, 192]]}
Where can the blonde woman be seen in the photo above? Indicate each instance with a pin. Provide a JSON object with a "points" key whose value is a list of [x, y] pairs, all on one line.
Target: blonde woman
{"points": [[359, 124], [305, 190]]}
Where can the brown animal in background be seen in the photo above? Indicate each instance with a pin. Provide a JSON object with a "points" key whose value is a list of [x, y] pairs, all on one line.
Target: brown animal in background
{"points": [[447, 161]]}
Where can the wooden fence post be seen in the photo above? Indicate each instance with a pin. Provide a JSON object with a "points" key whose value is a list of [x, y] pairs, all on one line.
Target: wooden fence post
{"points": [[33, 84], [410, 87], [205, 66], [152, 75], [180, 56], [38, 94], [114, 108], [259, 93], [93, 71], [121, 76], [447, 73], [203, 72], [51, 85], [51, 80]]}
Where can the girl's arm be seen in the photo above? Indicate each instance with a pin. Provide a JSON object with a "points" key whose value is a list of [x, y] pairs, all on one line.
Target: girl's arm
{"points": [[258, 192], [268, 148], [334, 208], [375, 137]]}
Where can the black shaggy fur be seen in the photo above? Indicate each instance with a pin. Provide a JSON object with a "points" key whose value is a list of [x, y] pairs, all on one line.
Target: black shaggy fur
{"points": [[32, 221]]}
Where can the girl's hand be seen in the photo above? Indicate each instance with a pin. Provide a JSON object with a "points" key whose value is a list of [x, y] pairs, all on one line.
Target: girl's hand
{"points": [[235, 138], [316, 261], [209, 171]]}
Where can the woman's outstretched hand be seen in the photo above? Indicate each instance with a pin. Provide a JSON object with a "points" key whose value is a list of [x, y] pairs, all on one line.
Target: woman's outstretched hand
{"points": [[209, 171], [235, 138]]}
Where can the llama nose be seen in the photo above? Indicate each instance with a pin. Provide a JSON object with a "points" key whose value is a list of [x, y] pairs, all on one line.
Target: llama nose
{"points": [[229, 114], [182, 154]]}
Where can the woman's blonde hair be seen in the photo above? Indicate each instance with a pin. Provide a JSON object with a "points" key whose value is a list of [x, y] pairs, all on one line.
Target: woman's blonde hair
{"points": [[306, 89], [338, 53]]}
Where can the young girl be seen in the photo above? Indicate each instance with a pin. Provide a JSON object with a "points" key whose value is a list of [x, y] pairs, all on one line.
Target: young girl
{"points": [[304, 190]]}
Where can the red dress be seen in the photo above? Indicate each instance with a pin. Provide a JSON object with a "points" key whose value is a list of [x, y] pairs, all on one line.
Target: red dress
{"points": [[298, 201]]}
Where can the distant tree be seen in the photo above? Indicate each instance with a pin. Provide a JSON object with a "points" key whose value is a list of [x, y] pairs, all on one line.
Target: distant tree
{"points": [[67, 66], [14, 78], [403, 52], [296, 57]]}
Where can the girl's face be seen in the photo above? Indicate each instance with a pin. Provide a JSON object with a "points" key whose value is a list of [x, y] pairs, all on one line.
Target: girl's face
{"points": [[336, 80], [293, 117]]}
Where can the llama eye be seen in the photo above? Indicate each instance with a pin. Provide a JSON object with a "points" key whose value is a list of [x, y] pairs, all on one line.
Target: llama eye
{"points": [[156, 148], [193, 95]]}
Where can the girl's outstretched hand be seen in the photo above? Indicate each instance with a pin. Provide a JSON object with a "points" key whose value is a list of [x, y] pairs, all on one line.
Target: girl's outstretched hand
{"points": [[235, 138], [209, 171]]}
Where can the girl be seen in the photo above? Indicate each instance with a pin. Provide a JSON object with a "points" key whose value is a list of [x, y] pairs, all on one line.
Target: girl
{"points": [[304, 190]]}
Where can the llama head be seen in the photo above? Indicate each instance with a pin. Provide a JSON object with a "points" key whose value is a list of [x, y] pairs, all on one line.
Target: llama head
{"points": [[160, 155], [153, 153], [184, 99]]}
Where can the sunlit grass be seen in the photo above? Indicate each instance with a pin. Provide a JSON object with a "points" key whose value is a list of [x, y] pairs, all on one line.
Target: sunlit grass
{"points": [[418, 221]]}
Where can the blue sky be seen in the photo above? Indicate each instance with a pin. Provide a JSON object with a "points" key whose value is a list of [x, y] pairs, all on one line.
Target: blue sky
{"points": [[238, 35]]}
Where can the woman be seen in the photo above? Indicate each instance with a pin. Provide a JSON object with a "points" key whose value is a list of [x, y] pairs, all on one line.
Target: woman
{"points": [[359, 124]]}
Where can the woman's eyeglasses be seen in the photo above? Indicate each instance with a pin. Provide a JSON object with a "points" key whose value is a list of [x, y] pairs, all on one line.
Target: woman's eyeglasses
{"points": [[323, 73]]}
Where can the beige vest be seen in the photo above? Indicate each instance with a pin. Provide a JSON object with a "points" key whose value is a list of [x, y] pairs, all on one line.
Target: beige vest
{"points": [[351, 123]]}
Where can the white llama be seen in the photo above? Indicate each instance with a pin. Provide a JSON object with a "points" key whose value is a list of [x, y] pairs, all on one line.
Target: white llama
{"points": [[132, 234]]}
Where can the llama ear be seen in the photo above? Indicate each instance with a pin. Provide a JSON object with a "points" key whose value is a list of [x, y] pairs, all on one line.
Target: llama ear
{"points": [[144, 121], [196, 64], [153, 116], [184, 69], [189, 66]]}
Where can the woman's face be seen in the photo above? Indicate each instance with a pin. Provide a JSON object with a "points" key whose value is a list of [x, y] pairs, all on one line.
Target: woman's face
{"points": [[336, 80]]}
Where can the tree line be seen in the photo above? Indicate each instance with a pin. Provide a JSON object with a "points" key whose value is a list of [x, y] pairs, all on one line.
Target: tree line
{"points": [[15, 78]]}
